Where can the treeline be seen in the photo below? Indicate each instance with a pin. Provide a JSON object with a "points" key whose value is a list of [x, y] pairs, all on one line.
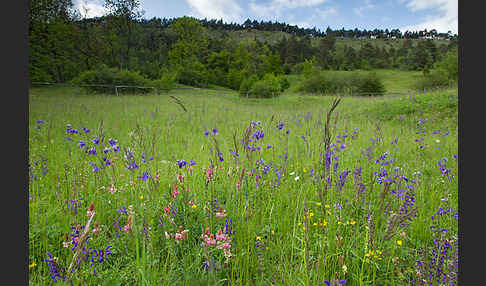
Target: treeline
{"points": [[64, 46]]}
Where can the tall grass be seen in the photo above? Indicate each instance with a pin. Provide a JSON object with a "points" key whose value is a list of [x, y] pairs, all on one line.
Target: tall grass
{"points": [[358, 211]]}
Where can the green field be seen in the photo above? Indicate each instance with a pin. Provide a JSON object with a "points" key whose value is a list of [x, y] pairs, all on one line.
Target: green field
{"points": [[276, 210]]}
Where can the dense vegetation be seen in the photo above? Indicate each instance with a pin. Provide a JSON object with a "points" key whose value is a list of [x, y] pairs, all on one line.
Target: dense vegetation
{"points": [[64, 46], [136, 190]]}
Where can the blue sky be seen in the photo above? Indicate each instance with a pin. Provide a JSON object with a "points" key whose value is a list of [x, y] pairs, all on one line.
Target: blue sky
{"points": [[405, 15]]}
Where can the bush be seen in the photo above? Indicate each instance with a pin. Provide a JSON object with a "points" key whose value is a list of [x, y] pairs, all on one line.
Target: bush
{"points": [[284, 82], [247, 84], [369, 84], [268, 87], [434, 79], [166, 81], [112, 76], [342, 82]]}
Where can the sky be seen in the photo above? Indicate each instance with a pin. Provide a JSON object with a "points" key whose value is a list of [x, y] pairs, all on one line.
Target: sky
{"points": [[406, 15]]}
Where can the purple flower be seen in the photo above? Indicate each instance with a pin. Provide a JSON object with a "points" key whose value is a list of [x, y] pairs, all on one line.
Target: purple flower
{"points": [[116, 148], [280, 126], [181, 163], [206, 132], [215, 131], [86, 130], [92, 151], [95, 168], [123, 210], [192, 163], [112, 142], [82, 143], [96, 141], [144, 176]]}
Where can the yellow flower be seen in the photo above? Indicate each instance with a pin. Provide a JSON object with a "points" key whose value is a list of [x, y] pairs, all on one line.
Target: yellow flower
{"points": [[324, 223], [32, 265], [299, 224], [339, 222], [328, 212], [399, 242], [318, 204], [315, 224], [352, 222], [194, 206], [327, 206], [305, 170], [311, 214], [141, 197], [258, 238]]}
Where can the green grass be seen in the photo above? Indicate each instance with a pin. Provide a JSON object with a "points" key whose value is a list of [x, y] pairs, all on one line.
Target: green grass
{"points": [[279, 217], [394, 80]]}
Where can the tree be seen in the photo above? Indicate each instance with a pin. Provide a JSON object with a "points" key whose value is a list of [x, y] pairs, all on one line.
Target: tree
{"points": [[188, 53], [122, 16], [51, 53]]}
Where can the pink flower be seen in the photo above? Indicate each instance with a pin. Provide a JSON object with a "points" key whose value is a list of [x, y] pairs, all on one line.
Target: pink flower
{"points": [[180, 177], [174, 194], [211, 242], [225, 246], [190, 170], [179, 236], [89, 213], [220, 237], [191, 202], [220, 213], [96, 231], [238, 185], [127, 228], [156, 176], [112, 189]]}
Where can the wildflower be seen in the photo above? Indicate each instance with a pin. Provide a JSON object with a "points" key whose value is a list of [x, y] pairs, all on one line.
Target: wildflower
{"points": [[32, 265], [399, 242], [141, 197], [96, 141], [206, 132], [194, 206], [296, 178], [215, 131], [144, 176], [258, 238], [81, 144], [220, 213], [86, 130], [318, 204], [181, 163]]}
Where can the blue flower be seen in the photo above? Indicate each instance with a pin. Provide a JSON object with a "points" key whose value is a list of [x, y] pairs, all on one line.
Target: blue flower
{"points": [[86, 130], [181, 163], [123, 210], [92, 151], [215, 131], [206, 132], [280, 126], [82, 143], [40, 121], [95, 168], [192, 163], [144, 176], [116, 148], [112, 142], [96, 141]]}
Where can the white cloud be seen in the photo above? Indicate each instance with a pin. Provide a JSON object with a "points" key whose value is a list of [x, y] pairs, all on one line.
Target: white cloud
{"points": [[367, 5], [228, 10], [90, 9], [443, 19], [275, 7]]}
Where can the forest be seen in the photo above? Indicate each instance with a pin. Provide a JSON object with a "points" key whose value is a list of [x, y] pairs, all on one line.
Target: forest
{"points": [[65, 46]]}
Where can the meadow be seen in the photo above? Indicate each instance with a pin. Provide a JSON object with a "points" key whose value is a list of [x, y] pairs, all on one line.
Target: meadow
{"points": [[202, 187]]}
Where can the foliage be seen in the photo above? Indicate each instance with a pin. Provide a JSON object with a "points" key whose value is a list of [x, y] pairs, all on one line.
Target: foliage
{"points": [[326, 83], [166, 81], [247, 84], [444, 74], [268, 87], [112, 76]]}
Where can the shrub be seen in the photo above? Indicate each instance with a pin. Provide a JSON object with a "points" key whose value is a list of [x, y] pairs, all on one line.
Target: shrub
{"points": [[268, 87], [434, 79], [112, 76], [247, 84], [166, 81], [343, 82], [284, 82], [369, 83]]}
